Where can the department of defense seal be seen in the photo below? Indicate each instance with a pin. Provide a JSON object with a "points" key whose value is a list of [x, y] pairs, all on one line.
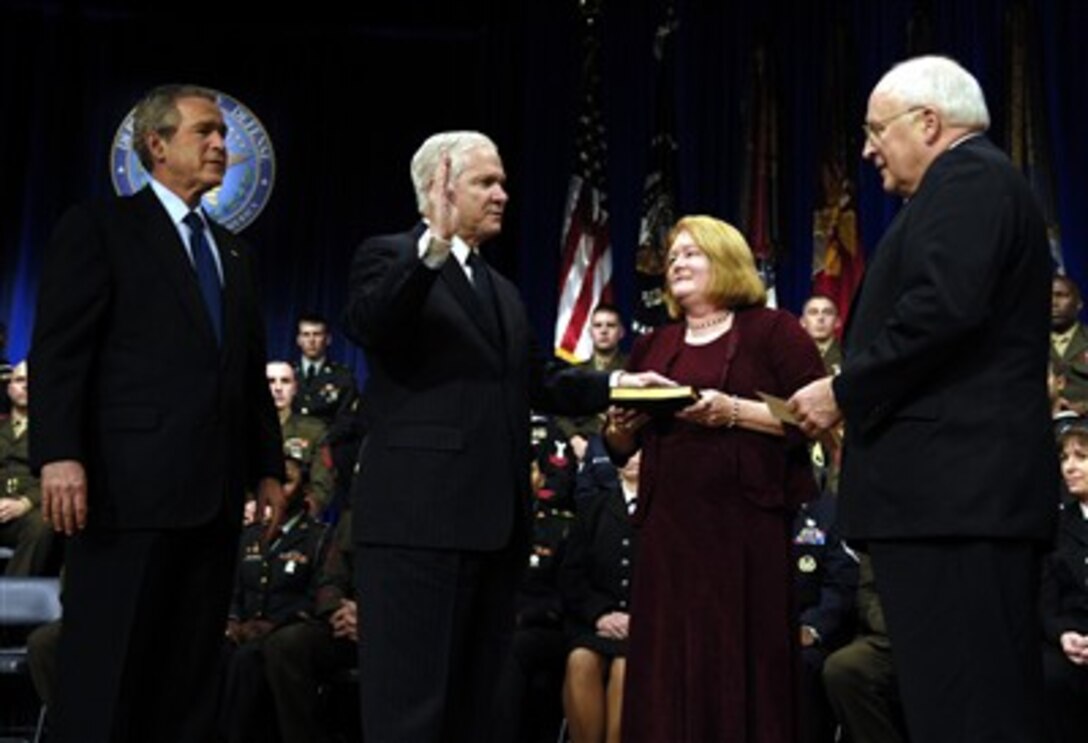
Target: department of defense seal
{"points": [[251, 167]]}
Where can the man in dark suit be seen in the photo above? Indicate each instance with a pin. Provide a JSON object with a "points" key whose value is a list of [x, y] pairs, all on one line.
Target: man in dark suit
{"points": [[948, 471], [441, 496], [151, 416]]}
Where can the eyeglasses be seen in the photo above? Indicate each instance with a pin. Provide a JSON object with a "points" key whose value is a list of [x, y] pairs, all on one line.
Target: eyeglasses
{"points": [[874, 130]]}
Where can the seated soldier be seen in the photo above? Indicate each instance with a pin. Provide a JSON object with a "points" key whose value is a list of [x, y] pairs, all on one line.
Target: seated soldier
{"points": [[300, 657], [532, 673], [595, 469], [1064, 599], [826, 582], [1069, 342], [272, 590], [21, 525], [860, 677], [324, 386], [596, 585], [302, 435], [820, 319]]}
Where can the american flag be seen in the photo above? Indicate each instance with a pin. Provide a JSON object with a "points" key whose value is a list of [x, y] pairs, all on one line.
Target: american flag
{"points": [[585, 272]]}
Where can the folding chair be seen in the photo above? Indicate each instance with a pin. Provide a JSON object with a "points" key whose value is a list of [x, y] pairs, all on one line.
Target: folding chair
{"points": [[25, 603]]}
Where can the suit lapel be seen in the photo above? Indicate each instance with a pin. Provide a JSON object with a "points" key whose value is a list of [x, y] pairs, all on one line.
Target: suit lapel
{"points": [[161, 239], [454, 277]]}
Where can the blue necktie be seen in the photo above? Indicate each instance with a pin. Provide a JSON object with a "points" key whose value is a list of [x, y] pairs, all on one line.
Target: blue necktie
{"points": [[206, 274]]}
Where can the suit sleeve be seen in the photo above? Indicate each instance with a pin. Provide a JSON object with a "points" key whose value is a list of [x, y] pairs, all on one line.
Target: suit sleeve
{"points": [[73, 299], [953, 258], [387, 284], [557, 387]]}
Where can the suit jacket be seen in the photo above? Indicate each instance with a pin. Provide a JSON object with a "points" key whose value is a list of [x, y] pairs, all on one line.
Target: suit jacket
{"points": [[948, 430], [129, 380], [1063, 598], [446, 460]]}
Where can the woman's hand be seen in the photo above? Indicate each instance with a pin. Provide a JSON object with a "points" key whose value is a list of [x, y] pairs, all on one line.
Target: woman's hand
{"points": [[714, 408], [613, 625]]}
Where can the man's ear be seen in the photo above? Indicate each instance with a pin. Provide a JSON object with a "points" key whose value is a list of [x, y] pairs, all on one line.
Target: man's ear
{"points": [[156, 145]]}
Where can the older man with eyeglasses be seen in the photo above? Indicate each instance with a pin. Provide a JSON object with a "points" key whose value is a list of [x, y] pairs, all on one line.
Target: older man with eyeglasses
{"points": [[946, 355]]}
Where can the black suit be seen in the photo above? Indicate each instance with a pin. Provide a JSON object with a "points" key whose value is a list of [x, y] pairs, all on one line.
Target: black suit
{"points": [[443, 484], [949, 469], [170, 429]]}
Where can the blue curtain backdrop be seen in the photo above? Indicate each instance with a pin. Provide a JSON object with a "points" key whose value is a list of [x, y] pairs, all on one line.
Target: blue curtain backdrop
{"points": [[347, 96]]}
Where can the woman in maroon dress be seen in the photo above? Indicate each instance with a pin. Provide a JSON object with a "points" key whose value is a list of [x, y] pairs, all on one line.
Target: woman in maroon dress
{"points": [[712, 654]]}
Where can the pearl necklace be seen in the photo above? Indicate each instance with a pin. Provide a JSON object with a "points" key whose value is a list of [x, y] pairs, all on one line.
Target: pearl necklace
{"points": [[710, 322]]}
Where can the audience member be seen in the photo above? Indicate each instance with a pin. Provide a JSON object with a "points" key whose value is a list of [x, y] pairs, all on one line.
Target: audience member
{"points": [[1064, 600], [860, 677], [528, 706], [272, 589], [1069, 342], [302, 657], [820, 319], [21, 525], [303, 436], [606, 331], [826, 579], [596, 585], [324, 386], [596, 472]]}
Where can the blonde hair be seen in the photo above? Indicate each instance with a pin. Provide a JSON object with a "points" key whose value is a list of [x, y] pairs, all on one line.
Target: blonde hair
{"points": [[734, 281]]}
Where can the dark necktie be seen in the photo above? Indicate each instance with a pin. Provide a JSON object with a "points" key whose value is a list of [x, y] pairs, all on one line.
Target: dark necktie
{"points": [[485, 292], [206, 274]]}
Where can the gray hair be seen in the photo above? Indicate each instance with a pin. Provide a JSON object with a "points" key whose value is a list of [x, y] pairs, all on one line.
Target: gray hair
{"points": [[939, 82], [429, 155], [158, 112]]}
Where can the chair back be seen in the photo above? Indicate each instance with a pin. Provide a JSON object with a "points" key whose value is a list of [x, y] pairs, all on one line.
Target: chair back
{"points": [[29, 601]]}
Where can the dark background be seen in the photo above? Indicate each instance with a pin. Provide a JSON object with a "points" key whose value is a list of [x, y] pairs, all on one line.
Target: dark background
{"points": [[347, 96]]}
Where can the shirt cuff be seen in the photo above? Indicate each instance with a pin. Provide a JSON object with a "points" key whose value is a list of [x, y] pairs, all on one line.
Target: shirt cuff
{"points": [[434, 251]]}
